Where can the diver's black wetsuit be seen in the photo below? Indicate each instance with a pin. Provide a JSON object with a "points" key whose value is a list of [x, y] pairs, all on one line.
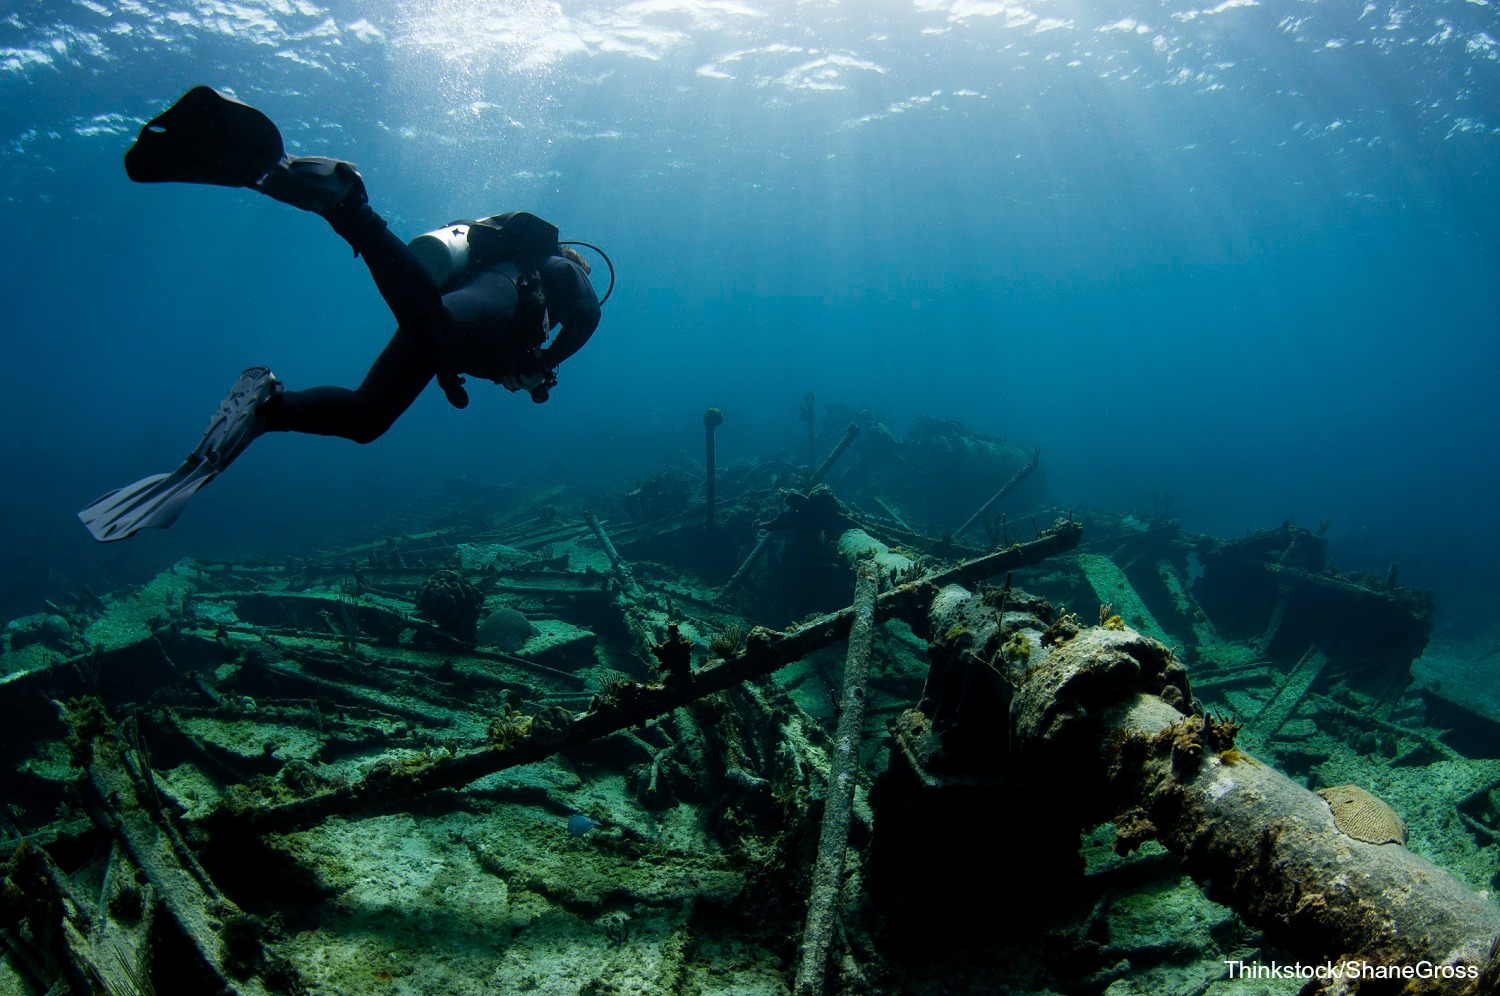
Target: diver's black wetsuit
{"points": [[475, 328]]}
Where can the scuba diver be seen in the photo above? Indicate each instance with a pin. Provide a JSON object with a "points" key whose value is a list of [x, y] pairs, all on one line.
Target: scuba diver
{"points": [[476, 297]]}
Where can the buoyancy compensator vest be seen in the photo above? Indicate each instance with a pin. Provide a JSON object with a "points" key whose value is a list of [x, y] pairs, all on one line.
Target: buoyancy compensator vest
{"points": [[489, 272], [497, 320]]}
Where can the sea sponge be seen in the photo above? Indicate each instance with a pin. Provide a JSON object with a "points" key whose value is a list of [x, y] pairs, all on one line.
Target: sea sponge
{"points": [[1364, 817], [1017, 648]]}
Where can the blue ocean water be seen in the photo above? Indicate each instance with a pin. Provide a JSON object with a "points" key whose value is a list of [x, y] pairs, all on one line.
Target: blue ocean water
{"points": [[1243, 254]]}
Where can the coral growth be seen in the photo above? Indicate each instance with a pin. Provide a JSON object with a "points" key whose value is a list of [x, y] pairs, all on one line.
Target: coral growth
{"points": [[1364, 817], [674, 657], [1132, 829], [510, 728], [1062, 630], [1017, 648], [452, 603], [1185, 741], [727, 643], [1219, 731]]}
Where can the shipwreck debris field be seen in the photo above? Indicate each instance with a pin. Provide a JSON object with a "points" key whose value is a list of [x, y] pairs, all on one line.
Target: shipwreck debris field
{"points": [[746, 727]]}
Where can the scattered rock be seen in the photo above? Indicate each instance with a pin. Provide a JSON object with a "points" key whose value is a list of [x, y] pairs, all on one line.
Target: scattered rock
{"points": [[505, 629]]}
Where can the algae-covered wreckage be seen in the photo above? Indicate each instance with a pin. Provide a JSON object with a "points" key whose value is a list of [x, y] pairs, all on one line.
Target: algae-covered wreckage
{"points": [[791, 738]]}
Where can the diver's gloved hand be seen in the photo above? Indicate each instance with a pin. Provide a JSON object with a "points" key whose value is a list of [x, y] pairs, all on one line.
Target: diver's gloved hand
{"points": [[538, 384], [314, 183], [453, 386], [527, 381]]}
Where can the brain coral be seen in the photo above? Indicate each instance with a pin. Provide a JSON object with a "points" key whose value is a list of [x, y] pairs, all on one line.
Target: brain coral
{"points": [[1362, 816]]}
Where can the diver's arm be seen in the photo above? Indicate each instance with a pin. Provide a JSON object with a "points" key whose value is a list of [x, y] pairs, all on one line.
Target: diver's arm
{"points": [[570, 339], [572, 302]]}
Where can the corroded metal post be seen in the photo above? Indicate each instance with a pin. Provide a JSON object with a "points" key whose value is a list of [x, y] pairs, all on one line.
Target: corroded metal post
{"points": [[1010, 485], [833, 457], [712, 419], [814, 481]]}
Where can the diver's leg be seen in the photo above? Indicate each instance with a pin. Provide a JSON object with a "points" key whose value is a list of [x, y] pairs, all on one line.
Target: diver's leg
{"points": [[404, 283], [408, 289], [335, 190], [398, 375]]}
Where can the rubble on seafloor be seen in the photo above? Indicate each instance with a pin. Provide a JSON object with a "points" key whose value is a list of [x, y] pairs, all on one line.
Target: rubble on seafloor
{"points": [[564, 742]]}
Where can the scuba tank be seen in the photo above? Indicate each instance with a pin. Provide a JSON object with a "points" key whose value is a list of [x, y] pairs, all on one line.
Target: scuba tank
{"points": [[459, 247], [443, 252], [450, 252]]}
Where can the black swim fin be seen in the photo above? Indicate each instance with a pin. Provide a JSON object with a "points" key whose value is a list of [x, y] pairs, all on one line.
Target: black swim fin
{"points": [[206, 137], [156, 501]]}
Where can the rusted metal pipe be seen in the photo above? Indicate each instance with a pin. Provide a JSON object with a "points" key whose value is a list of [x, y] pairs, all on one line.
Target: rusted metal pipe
{"points": [[844, 771], [833, 457], [999, 496], [621, 569]]}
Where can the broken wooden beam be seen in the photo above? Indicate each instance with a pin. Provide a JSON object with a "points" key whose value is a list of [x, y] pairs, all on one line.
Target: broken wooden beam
{"points": [[296, 682], [54, 948], [1284, 701], [121, 798]]}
